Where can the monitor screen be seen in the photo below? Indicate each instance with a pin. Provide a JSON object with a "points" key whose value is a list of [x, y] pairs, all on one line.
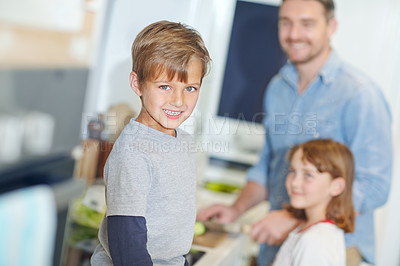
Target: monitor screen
{"points": [[254, 57]]}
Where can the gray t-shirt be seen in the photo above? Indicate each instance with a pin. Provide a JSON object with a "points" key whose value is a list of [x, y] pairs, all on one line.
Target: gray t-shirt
{"points": [[152, 174]]}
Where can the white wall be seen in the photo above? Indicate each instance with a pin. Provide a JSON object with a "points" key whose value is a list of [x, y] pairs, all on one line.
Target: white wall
{"points": [[368, 36]]}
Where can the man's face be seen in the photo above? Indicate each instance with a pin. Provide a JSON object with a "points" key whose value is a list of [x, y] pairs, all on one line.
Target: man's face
{"points": [[304, 32]]}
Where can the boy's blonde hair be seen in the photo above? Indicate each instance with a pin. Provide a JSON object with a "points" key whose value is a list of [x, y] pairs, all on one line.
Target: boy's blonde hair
{"points": [[167, 46], [336, 159]]}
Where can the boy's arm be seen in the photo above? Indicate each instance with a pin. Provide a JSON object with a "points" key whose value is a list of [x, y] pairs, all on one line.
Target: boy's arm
{"points": [[127, 240]]}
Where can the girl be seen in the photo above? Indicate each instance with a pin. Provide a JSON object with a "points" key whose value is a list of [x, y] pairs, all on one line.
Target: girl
{"points": [[319, 185]]}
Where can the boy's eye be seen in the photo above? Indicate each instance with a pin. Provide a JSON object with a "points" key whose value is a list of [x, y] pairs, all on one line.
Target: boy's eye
{"points": [[191, 89], [164, 87]]}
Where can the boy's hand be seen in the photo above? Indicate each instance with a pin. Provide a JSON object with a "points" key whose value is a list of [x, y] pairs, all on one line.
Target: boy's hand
{"points": [[274, 228], [221, 213]]}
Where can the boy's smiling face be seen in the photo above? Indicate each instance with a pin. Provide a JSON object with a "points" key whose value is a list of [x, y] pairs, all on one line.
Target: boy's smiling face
{"points": [[166, 104]]}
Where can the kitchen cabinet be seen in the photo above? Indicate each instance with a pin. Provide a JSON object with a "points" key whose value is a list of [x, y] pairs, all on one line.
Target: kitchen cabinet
{"points": [[39, 151], [33, 42]]}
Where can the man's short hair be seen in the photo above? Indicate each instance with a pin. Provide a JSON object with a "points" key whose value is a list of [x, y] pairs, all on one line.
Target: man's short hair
{"points": [[328, 5]]}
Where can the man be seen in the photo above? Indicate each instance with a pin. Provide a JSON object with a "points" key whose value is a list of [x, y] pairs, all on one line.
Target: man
{"points": [[316, 95]]}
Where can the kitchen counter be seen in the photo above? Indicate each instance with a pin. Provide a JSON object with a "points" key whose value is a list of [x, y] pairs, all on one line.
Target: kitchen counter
{"points": [[236, 249]]}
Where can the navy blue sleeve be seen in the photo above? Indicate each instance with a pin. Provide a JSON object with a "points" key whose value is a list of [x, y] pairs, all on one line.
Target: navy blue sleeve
{"points": [[127, 240]]}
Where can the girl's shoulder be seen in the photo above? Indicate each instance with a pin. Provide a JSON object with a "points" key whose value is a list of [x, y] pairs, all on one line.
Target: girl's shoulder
{"points": [[321, 244], [322, 234]]}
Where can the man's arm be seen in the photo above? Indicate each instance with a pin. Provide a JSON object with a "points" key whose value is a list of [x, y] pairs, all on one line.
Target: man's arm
{"points": [[127, 240], [254, 192], [250, 195], [274, 228], [368, 134]]}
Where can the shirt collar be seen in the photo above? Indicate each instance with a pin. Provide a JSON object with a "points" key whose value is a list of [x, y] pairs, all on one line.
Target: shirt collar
{"points": [[330, 68], [327, 72]]}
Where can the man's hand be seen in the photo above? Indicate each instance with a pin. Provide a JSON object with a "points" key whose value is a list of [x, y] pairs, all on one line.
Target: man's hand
{"points": [[222, 213], [252, 194], [274, 228]]}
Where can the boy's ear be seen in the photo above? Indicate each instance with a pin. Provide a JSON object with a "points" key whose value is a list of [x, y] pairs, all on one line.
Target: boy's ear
{"points": [[134, 82], [337, 186]]}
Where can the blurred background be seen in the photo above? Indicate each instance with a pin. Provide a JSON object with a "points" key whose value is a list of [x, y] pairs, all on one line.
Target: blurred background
{"points": [[65, 97]]}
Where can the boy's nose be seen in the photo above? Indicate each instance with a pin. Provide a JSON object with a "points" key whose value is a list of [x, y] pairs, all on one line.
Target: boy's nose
{"points": [[177, 98]]}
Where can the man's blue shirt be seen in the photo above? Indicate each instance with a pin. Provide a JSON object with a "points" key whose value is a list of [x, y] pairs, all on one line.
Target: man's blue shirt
{"points": [[340, 103]]}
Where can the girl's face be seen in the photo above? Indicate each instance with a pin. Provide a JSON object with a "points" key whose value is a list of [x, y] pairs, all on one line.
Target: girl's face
{"points": [[308, 188], [168, 103]]}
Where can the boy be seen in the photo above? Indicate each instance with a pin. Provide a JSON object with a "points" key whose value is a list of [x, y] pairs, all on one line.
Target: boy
{"points": [[150, 174]]}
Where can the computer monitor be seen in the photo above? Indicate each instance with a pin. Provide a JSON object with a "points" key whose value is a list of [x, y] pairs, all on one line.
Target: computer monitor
{"points": [[254, 56]]}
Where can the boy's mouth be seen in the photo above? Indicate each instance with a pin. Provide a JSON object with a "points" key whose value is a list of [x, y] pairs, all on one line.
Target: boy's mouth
{"points": [[172, 114]]}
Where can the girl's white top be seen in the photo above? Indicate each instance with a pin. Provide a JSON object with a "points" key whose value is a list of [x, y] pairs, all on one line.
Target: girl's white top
{"points": [[321, 244]]}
